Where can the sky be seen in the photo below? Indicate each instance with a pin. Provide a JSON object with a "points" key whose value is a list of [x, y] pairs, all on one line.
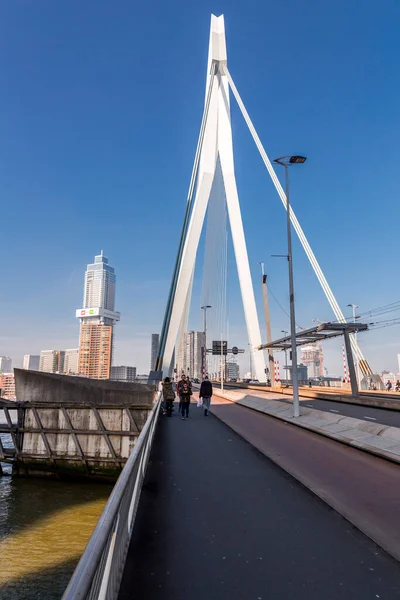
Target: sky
{"points": [[99, 115]]}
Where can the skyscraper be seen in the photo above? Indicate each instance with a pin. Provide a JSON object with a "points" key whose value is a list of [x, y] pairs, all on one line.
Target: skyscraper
{"points": [[97, 317], [31, 362], [155, 341], [190, 354], [5, 364]]}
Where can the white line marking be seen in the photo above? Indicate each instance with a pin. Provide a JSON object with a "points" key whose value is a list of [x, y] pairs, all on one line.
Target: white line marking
{"points": [[370, 418], [333, 410], [310, 405]]}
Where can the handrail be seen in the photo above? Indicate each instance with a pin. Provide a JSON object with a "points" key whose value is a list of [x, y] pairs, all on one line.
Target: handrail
{"points": [[99, 572]]}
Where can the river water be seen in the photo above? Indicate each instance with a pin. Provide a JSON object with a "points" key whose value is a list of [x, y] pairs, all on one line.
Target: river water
{"points": [[45, 525]]}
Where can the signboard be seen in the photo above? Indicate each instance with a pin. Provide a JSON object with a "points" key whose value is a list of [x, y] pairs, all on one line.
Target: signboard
{"points": [[216, 347], [97, 312], [235, 350]]}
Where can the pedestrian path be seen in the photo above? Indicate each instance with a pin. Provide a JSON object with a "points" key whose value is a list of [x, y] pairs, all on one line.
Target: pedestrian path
{"points": [[218, 520]]}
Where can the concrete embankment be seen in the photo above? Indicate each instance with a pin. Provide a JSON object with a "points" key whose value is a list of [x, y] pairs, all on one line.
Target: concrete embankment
{"points": [[75, 426]]}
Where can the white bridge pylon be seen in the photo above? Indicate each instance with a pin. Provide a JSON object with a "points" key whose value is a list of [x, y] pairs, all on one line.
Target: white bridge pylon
{"points": [[216, 144], [215, 150]]}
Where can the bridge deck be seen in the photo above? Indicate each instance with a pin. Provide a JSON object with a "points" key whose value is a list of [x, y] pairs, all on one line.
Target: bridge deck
{"points": [[217, 519]]}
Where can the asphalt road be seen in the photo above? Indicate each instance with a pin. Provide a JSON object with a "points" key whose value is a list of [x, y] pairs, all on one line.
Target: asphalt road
{"points": [[219, 520], [365, 413]]}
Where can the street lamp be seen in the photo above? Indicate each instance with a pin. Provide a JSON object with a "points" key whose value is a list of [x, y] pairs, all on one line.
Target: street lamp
{"points": [[286, 161], [205, 338], [355, 317], [286, 365], [251, 362]]}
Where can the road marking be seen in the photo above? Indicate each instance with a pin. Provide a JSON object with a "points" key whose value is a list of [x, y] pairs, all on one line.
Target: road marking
{"points": [[310, 405], [333, 410], [370, 418]]}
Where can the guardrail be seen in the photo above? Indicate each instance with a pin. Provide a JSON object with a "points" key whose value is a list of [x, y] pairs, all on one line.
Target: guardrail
{"points": [[99, 572]]}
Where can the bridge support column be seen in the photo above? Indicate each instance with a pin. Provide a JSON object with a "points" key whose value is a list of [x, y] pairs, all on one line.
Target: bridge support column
{"points": [[350, 362]]}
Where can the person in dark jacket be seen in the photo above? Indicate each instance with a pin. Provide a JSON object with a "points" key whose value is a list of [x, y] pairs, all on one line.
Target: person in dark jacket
{"points": [[185, 397], [206, 391], [168, 396], [179, 391]]}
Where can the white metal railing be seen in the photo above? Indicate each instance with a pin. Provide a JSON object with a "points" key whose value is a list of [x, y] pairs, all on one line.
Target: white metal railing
{"points": [[99, 572]]}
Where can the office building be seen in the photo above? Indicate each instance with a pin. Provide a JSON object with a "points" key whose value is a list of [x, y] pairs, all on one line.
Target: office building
{"points": [[311, 357], [52, 361], [155, 341], [7, 386], [31, 362], [95, 351], [97, 318], [232, 370], [190, 354], [71, 361], [5, 364], [123, 373]]}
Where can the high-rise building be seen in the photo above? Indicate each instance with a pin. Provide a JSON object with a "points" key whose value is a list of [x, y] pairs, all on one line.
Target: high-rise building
{"points": [[31, 362], [71, 361], [5, 364], [232, 370], [311, 357], [97, 317], [155, 342], [190, 354], [52, 361], [7, 386], [123, 373]]}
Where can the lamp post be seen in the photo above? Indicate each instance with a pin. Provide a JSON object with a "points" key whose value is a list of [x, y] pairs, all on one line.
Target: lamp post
{"points": [[355, 317], [251, 362], [286, 365], [205, 338], [286, 161]]}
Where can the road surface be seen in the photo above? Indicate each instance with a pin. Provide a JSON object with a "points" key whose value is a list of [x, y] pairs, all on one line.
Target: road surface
{"points": [[219, 520]]}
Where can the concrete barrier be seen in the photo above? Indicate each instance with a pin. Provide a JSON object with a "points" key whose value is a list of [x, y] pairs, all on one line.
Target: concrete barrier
{"points": [[76, 426]]}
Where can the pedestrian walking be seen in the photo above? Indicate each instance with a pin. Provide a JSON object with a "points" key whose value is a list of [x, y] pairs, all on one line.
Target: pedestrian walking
{"points": [[206, 392], [186, 393], [179, 391], [168, 396]]}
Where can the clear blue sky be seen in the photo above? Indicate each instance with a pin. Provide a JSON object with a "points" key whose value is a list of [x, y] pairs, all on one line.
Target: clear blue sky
{"points": [[99, 114]]}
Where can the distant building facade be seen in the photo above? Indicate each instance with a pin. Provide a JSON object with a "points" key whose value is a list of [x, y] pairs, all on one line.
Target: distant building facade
{"points": [[232, 370], [190, 354], [52, 361], [312, 358], [302, 373], [31, 362], [123, 373], [71, 361], [7, 386], [5, 364], [97, 317], [155, 342]]}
